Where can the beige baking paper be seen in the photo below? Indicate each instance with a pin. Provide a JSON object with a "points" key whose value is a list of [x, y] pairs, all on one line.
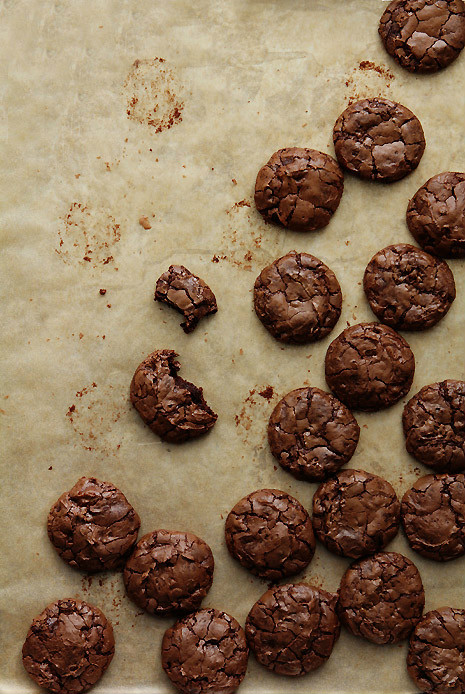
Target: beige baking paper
{"points": [[91, 142]]}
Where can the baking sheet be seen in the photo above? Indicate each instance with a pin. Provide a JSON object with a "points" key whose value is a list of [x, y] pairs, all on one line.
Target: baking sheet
{"points": [[92, 141]]}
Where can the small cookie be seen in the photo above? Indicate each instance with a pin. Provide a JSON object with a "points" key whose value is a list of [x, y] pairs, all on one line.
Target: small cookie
{"points": [[433, 516], [186, 293], [378, 140], [434, 426], [172, 407], [93, 526], [369, 366], [381, 598], [270, 533], [169, 572], [312, 434], [408, 288], [355, 513], [205, 652], [423, 35], [292, 629], [68, 647], [436, 215], [299, 188]]}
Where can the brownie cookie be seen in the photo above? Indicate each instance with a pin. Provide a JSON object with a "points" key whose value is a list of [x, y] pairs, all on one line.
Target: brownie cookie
{"points": [[68, 647], [270, 533], [172, 407], [434, 426], [369, 366], [186, 293], [355, 513], [436, 656], [436, 215], [379, 140], [433, 516], [292, 629], [298, 298], [408, 288], [423, 35], [205, 652], [169, 572], [93, 526], [312, 434], [299, 188], [381, 598]]}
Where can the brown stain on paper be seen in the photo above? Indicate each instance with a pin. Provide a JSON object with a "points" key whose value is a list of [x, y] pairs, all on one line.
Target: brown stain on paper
{"points": [[87, 236], [366, 79], [93, 415]]}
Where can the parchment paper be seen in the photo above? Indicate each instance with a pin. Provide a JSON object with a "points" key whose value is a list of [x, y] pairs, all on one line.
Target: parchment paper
{"points": [[92, 142]]}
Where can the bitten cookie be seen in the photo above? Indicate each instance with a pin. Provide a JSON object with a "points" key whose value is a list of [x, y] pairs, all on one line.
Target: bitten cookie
{"points": [[186, 293]]}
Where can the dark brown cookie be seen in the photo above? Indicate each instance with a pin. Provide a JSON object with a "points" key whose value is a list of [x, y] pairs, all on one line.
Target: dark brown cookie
{"points": [[312, 434], [436, 215], [172, 407], [186, 293], [381, 598], [379, 140], [68, 647], [298, 298], [205, 652], [369, 366], [169, 572], [408, 288], [299, 188], [433, 516], [436, 656], [434, 426], [292, 629], [423, 35], [270, 533], [93, 526], [355, 513]]}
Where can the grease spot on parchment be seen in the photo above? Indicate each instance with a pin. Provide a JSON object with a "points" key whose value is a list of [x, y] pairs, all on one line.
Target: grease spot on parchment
{"points": [[255, 410], [366, 79], [87, 236], [243, 238], [94, 414]]}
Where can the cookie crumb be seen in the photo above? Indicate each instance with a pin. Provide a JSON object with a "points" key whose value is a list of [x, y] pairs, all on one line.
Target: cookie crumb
{"points": [[144, 222], [103, 292]]}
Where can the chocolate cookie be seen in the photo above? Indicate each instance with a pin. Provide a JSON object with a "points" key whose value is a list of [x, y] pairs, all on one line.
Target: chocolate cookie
{"points": [[408, 288], [369, 366], [379, 140], [186, 293], [169, 572], [312, 434], [423, 35], [205, 652], [68, 647], [172, 407], [381, 597], [436, 215], [433, 516], [292, 629], [434, 426], [270, 533], [93, 526], [436, 660], [299, 188], [355, 513]]}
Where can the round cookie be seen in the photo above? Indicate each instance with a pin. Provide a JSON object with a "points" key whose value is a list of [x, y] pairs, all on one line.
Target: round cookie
{"points": [[270, 533], [355, 513], [433, 516], [299, 188], [312, 434], [436, 215], [378, 140], [68, 647], [408, 288], [381, 598], [369, 366], [423, 35], [168, 572], [298, 298], [93, 526], [206, 651], [292, 629], [436, 660], [434, 426]]}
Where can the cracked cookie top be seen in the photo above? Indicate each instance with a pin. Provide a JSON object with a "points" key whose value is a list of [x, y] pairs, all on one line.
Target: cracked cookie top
{"points": [[186, 293]]}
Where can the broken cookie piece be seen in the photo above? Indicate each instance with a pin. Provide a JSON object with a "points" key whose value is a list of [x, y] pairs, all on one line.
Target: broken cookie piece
{"points": [[186, 293]]}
